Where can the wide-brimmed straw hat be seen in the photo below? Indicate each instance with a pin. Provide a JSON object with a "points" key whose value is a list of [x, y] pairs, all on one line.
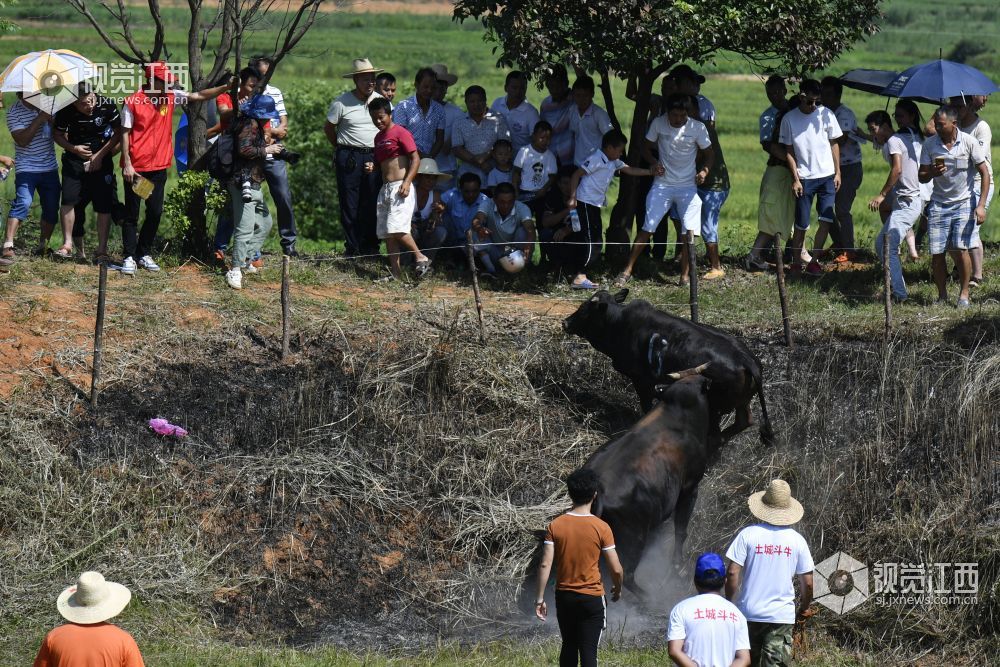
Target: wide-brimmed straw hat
{"points": [[92, 600], [429, 167], [363, 66], [776, 505], [442, 74]]}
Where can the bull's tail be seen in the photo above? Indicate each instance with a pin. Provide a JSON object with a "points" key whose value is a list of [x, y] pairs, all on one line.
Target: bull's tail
{"points": [[766, 432]]}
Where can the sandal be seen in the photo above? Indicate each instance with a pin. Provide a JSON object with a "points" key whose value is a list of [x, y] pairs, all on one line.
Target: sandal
{"points": [[622, 279], [8, 252], [584, 284], [423, 267], [62, 253]]}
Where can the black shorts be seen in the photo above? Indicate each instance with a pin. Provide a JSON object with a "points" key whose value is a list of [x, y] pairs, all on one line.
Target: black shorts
{"points": [[97, 187]]}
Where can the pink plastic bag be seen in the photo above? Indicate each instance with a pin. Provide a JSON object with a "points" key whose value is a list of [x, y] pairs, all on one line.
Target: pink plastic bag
{"points": [[163, 427]]}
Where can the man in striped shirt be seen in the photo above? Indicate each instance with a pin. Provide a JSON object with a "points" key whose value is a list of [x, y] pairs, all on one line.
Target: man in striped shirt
{"points": [[37, 170]]}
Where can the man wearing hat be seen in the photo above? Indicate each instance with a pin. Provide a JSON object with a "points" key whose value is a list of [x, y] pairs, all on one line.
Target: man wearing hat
{"points": [[689, 83], [446, 161], [251, 219], [88, 639], [147, 151], [763, 561], [708, 630], [350, 130]]}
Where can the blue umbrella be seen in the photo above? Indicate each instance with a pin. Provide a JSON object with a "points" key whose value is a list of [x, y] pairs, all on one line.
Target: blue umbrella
{"points": [[939, 80]]}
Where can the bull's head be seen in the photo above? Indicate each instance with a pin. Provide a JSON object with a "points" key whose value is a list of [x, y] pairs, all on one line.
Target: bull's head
{"points": [[593, 312]]}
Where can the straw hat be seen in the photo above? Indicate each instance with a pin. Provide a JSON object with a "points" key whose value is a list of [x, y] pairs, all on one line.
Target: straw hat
{"points": [[429, 167], [363, 66], [442, 74], [776, 505], [92, 599]]}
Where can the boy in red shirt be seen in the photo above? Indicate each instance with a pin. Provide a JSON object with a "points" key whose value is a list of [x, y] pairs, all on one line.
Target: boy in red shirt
{"points": [[396, 154], [576, 540], [147, 151]]}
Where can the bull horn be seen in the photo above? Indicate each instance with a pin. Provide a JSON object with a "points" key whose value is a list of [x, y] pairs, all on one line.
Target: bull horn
{"points": [[689, 372]]}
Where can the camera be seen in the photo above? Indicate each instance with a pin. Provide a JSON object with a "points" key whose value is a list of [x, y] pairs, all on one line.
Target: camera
{"points": [[291, 157], [247, 191]]}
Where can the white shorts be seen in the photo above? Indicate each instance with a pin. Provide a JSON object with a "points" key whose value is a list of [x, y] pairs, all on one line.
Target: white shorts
{"points": [[684, 198], [393, 214]]}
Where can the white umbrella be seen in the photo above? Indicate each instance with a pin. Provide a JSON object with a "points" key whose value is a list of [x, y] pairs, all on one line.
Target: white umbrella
{"points": [[48, 79]]}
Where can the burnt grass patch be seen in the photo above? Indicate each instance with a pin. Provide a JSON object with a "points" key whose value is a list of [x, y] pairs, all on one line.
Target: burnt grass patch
{"points": [[381, 490]]}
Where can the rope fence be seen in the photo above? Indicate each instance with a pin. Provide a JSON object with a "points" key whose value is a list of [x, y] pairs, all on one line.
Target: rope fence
{"points": [[286, 293]]}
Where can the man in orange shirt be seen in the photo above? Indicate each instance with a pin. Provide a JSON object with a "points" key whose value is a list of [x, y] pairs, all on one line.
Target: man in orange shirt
{"points": [[88, 639], [576, 541]]}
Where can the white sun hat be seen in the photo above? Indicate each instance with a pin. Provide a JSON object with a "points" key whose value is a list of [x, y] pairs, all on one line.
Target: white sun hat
{"points": [[92, 599]]}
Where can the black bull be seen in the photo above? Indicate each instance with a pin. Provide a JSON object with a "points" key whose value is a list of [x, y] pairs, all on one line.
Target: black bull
{"points": [[651, 473], [645, 344]]}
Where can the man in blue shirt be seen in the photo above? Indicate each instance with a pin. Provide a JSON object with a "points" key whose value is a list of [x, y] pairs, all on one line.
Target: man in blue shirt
{"points": [[422, 115], [461, 205]]}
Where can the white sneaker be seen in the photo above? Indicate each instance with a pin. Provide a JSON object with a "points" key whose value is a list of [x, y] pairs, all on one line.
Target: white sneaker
{"points": [[128, 266], [234, 278], [147, 263], [250, 268]]}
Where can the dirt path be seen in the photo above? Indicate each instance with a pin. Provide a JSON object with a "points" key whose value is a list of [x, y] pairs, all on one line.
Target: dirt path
{"points": [[45, 329]]}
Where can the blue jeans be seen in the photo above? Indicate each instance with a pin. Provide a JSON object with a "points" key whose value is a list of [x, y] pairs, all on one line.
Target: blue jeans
{"points": [[224, 224], [905, 212], [711, 207], [826, 195], [46, 183], [276, 175], [358, 193]]}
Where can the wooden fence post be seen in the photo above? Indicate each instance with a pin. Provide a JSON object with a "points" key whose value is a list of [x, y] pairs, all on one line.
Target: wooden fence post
{"points": [[95, 377], [786, 323], [286, 308], [887, 286], [692, 275], [475, 285]]}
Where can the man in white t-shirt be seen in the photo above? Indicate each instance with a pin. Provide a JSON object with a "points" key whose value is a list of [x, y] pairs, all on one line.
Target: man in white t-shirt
{"points": [[708, 630], [945, 160], [587, 121], [809, 135], [968, 108], [556, 109], [520, 115], [682, 143], [763, 561], [851, 172]]}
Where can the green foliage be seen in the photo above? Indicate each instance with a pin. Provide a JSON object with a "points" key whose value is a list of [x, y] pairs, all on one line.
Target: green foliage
{"points": [[635, 37], [312, 179], [187, 187], [6, 25]]}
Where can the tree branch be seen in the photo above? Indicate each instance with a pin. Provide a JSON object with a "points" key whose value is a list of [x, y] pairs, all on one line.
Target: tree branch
{"points": [[81, 7], [159, 44], [609, 100]]}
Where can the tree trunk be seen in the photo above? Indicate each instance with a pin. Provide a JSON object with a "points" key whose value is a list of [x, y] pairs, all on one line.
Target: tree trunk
{"points": [[628, 188]]}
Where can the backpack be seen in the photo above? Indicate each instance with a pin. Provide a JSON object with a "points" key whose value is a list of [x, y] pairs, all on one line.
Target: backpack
{"points": [[220, 157]]}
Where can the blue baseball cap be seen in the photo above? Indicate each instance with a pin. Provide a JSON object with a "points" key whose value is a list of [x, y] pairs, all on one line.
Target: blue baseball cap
{"points": [[261, 107], [709, 566]]}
